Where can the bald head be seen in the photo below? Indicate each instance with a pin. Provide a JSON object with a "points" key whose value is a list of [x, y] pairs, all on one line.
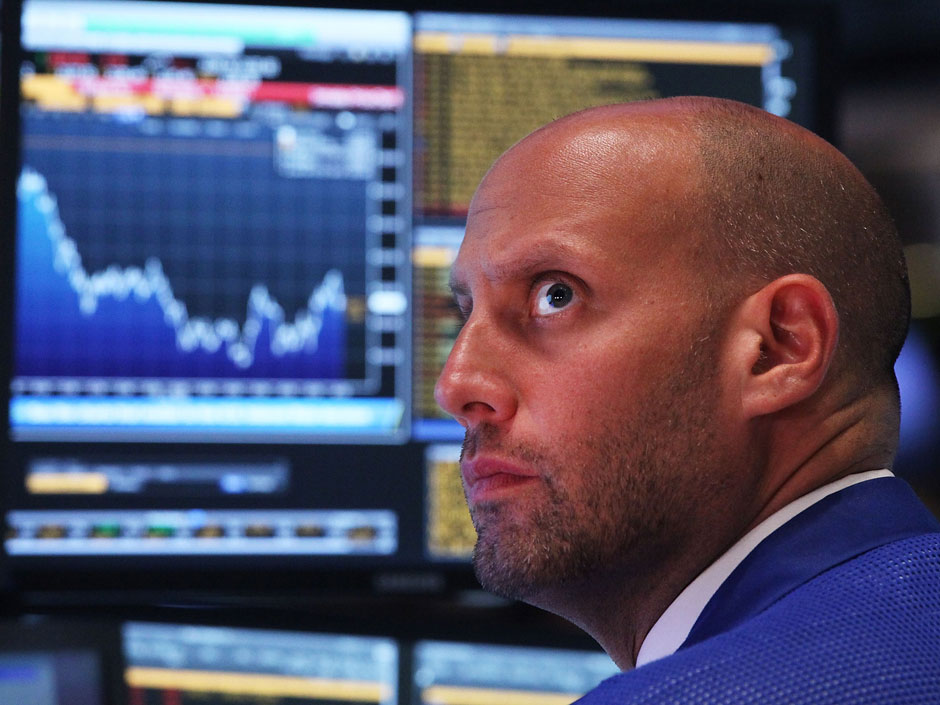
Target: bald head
{"points": [[750, 197], [631, 162]]}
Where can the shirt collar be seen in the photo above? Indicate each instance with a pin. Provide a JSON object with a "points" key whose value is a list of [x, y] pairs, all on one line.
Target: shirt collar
{"points": [[674, 625]]}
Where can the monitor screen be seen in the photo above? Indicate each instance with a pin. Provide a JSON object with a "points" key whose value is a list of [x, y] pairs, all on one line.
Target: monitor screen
{"points": [[227, 665], [180, 657], [229, 303], [464, 673], [482, 82], [213, 219], [212, 321]]}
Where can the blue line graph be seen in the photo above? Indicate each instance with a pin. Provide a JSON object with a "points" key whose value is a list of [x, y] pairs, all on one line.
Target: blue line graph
{"points": [[125, 321]]}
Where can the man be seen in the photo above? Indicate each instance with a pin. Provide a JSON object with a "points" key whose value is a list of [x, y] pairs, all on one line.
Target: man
{"points": [[676, 378]]}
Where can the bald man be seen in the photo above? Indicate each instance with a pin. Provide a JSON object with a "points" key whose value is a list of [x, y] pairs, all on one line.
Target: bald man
{"points": [[676, 379]]}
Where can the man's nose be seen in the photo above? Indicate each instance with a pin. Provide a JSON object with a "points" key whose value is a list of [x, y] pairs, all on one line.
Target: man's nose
{"points": [[475, 385]]}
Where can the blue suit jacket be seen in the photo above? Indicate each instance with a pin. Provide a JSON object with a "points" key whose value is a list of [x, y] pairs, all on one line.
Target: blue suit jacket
{"points": [[839, 605]]}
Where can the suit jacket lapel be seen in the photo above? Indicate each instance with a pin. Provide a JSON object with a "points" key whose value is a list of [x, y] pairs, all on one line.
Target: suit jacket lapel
{"points": [[835, 529]]}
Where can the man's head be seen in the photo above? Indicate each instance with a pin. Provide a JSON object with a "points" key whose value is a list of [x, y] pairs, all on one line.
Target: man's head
{"points": [[648, 292], [776, 199]]}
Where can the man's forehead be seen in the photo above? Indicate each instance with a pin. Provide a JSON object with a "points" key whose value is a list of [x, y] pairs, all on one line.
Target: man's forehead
{"points": [[522, 259], [589, 157], [576, 193]]}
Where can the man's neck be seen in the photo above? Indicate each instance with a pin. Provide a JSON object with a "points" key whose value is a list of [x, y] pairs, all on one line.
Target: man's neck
{"points": [[672, 628], [618, 608]]}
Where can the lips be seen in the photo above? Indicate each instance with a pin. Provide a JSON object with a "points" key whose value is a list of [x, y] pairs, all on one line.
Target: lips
{"points": [[489, 478]]}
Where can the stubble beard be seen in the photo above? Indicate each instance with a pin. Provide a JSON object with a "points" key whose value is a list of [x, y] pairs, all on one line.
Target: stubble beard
{"points": [[624, 517]]}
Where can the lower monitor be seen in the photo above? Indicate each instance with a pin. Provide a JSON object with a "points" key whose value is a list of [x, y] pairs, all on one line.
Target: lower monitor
{"points": [[460, 673], [175, 663]]}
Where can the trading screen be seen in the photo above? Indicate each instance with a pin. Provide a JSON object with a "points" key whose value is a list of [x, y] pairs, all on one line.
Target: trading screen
{"points": [[234, 227], [461, 673], [190, 664], [211, 223], [482, 82], [64, 662]]}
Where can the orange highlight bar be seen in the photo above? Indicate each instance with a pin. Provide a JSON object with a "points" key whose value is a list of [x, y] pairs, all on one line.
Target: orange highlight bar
{"points": [[66, 483], [458, 695], [426, 256], [201, 97], [649, 50], [258, 684]]}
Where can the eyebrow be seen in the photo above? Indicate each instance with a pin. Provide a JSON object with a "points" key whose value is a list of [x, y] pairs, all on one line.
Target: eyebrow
{"points": [[546, 258]]}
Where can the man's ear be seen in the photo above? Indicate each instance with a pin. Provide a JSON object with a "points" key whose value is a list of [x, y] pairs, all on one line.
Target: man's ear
{"points": [[785, 337]]}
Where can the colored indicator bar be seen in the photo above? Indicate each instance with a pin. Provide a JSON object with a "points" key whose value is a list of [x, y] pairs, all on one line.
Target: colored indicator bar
{"points": [[429, 256], [218, 414], [653, 51], [150, 26], [459, 695], [256, 684], [66, 483], [656, 51], [283, 35]]}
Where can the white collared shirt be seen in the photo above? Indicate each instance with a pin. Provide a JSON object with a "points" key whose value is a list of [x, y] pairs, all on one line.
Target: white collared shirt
{"points": [[674, 625]]}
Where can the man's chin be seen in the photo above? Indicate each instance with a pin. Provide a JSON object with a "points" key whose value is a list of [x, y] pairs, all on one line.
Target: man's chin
{"points": [[530, 557], [500, 575], [552, 593], [517, 577]]}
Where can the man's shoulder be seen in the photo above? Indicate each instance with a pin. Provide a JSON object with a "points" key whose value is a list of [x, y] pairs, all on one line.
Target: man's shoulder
{"points": [[865, 631]]}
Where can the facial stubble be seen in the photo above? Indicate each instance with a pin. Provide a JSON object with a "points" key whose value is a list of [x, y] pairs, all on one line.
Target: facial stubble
{"points": [[636, 487]]}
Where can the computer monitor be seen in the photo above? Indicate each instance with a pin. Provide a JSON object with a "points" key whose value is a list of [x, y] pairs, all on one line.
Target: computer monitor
{"points": [[484, 81], [231, 665], [174, 655], [211, 329], [468, 673], [213, 225], [228, 287]]}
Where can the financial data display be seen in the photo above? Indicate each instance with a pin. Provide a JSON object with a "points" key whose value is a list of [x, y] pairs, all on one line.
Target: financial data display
{"points": [[449, 531], [234, 230], [437, 323], [482, 82], [461, 673], [223, 507], [190, 664], [213, 224]]}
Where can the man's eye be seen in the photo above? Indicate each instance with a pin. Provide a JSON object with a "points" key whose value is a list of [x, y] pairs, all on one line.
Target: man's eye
{"points": [[552, 298]]}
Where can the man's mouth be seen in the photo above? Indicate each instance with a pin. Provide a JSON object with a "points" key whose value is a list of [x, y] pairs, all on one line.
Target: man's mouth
{"points": [[488, 478]]}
